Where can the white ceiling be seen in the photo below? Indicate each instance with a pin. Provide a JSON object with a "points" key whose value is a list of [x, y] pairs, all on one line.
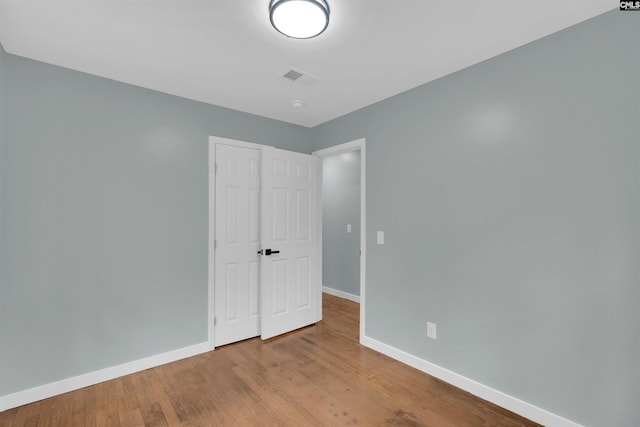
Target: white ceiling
{"points": [[226, 53]]}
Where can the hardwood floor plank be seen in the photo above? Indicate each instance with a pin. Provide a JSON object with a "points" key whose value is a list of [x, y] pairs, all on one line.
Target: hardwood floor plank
{"points": [[90, 410], [7, 417], [316, 376]]}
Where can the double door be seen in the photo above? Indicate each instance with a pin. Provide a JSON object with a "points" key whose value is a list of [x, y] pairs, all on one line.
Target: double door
{"points": [[267, 258]]}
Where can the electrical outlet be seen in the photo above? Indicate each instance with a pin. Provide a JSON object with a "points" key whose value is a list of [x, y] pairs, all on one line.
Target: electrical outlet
{"points": [[431, 330]]}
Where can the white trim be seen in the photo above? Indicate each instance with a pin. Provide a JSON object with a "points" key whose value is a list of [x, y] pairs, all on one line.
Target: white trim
{"points": [[359, 144], [363, 232], [492, 395], [74, 383], [341, 294], [340, 148], [235, 143], [319, 239], [212, 228]]}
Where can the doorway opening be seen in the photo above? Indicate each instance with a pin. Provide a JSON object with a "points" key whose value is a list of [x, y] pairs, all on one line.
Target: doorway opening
{"points": [[344, 222]]}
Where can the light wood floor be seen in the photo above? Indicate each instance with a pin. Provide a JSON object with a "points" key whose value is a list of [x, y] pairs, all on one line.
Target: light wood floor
{"points": [[316, 376]]}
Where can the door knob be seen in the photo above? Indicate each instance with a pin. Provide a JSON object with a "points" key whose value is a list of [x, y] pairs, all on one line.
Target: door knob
{"points": [[267, 252]]}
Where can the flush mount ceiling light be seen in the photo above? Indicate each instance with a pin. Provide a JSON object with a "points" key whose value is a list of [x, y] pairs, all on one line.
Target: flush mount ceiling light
{"points": [[299, 19]]}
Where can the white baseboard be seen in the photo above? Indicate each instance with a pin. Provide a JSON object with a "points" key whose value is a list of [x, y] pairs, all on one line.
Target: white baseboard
{"points": [[63, 386], [341, 294], [499, 398]]}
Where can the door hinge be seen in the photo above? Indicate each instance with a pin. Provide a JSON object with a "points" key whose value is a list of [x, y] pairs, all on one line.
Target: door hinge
{"points": [[215, 167], [215, 320]]}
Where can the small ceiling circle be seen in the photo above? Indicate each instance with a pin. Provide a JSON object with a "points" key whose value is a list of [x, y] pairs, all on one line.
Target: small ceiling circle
{"points": [[299, 19]]}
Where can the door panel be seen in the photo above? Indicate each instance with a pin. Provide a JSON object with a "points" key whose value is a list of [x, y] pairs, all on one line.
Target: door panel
{"points": [[237, 231], [290, 289], [280, 280], [303, 281]]}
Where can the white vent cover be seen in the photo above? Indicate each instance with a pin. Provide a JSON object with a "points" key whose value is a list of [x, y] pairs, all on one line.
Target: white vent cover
{"points": [[299, 77]]}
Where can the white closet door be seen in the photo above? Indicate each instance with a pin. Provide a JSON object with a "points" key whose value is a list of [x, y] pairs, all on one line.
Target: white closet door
{"points": [[237, 234], [290, 289]]}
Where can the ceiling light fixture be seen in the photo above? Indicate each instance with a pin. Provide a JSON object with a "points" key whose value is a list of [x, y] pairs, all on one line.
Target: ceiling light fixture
{"points": [[299, 19]]}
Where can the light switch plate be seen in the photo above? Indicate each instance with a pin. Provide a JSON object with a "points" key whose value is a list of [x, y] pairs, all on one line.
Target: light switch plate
{"points": [[431, 330], [348, 228], [380, 237]]}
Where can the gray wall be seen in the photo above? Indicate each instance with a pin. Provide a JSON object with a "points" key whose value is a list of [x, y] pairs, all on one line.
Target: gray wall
{"points": [[105, 220], [341, 206], [510, 200]]}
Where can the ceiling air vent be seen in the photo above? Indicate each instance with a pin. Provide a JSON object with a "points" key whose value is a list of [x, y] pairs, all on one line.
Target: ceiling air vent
{"points": [[299, 77], [292, 75]]}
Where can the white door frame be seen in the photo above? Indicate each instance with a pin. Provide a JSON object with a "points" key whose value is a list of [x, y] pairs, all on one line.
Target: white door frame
{"points": [[357, 145]]}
